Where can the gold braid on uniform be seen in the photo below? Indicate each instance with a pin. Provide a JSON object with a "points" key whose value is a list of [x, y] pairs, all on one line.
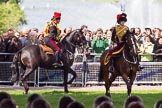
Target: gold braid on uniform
{"points": [[120, 31], [57, 38]]}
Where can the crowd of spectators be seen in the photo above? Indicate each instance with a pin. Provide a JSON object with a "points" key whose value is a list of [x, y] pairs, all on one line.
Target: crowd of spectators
{"points": [[149, 41], [38, 101]]}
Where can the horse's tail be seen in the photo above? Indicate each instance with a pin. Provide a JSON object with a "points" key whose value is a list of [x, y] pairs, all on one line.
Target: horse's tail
{"points": [[15, 67], [103, 65], [101, 72]]}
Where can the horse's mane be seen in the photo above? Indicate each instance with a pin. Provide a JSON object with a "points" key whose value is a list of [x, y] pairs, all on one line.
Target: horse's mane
{"points": [[69, 36]]}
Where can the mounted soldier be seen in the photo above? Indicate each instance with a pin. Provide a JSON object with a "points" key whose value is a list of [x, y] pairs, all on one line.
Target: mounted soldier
{"points": [[118, 38], [52, 32]]}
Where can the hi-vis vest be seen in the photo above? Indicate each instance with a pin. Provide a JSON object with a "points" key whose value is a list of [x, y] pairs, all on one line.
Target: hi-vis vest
{"points": [[47, 27], [120, 31]]}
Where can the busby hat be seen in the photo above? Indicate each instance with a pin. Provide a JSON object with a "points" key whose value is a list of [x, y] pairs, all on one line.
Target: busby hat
{"points": [[121, 17], [56, 15]]}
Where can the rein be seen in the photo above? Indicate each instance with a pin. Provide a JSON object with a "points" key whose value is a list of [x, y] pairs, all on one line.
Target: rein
{"points": [[134, 58]]}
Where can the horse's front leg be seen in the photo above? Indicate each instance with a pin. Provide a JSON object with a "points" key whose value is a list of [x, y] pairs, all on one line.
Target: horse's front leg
{"points": [[129, 86], [129, 83], [66, 71], [112, 78], [26, 87], [74, 76]]}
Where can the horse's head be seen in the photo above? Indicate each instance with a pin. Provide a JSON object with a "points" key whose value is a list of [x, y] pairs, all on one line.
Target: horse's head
{"points": [[131, 43], [14, 44], [76, 39]]}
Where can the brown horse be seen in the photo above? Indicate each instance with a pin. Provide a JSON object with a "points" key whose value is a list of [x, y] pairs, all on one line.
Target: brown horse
{"points": [[31, 57], [125, 64]]}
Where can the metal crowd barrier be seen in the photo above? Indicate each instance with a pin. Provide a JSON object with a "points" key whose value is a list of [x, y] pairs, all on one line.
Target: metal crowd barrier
{"points": [[5, 71], [151, 74]]}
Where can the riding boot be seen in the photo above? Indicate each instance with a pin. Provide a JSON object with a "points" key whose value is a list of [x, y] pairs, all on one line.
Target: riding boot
{"points": [[111, 68], [57, 60]]}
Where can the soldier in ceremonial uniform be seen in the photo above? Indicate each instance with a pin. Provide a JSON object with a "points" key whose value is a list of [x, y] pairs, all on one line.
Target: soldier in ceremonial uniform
{"points": [[52, 32], [119, 32]]}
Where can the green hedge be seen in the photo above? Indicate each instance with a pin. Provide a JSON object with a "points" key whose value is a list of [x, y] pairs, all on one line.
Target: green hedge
{"points": [[11, 15]]}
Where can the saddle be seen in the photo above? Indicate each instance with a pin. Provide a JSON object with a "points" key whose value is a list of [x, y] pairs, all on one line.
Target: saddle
{"points": [[47, 49], [112, 52]]}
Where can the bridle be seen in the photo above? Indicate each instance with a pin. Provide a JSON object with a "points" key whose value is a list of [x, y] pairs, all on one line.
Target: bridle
{"points": [[133, 46]]}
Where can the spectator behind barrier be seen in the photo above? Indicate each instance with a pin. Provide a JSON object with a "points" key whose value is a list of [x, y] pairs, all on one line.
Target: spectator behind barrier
{"points": [[32, 40], [158, 50], [147, 49], [132, 99], [17, 34], [101, 99], [108, 34], [138, 35], [99, 43], [66, 32], [64, 101], [24, 35], [149, 33], [156, 32]]}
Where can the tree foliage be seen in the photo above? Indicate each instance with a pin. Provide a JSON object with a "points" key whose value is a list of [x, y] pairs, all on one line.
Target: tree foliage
{"points": [[11, 15]]}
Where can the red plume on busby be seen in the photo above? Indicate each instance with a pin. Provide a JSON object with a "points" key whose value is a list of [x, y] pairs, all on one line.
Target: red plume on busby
{"points": [[121, 17], [118, 16], [56, 15]]}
